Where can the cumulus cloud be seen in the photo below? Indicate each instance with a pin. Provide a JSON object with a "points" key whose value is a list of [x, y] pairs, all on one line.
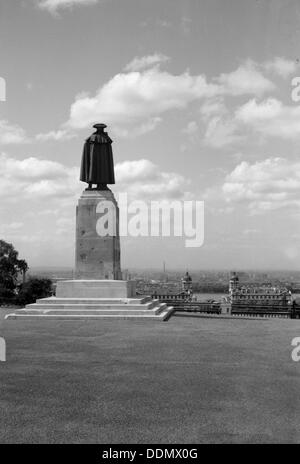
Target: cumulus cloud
{"points": [[40, 198], [213, 107], [35, 178], [245, 80], [31, 168], [265, 185], [136, 97], [221, 132], [54, 5], [10, 227], [135, 131], [144, 62], [144, 179], [268, 117], [11, 134], [40, 179], [132, 102], [281, 66], [55, 135], [140, 170], [221, 129], [271, 118]]}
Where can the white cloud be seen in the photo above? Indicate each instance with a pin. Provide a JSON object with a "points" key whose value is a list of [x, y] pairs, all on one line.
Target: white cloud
{"points": [[132, 102], [138, 130], [11, 227], [31, 168], [191, 128], [54, 5], [140, 170], [11, 134], [220, 128], [271, 118], [245, 80], [144, 62], [34, 178], [213, 107], [143, 179], [281, 66], [266, 185], [39, 197], [268, 117], [133, 98], [39, 179], [221, 132], [55, 135]]}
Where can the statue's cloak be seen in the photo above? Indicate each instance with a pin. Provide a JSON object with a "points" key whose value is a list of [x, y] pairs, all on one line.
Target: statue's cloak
{"points": [[97, 165]]}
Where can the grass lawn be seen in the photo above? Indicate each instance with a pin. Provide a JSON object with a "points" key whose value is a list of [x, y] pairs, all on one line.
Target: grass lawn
{"points": [[188, 380]]}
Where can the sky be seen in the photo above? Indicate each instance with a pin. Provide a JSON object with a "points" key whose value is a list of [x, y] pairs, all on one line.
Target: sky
{"points": [[200, 99]]}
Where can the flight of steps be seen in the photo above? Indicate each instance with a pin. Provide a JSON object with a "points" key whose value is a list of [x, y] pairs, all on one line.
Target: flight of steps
{"points": [[94, 308]]}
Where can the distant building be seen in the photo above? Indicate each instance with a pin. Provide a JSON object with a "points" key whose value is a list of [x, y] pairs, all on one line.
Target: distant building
{"points": [[225, 305], [277, 296], [233, 283], [187, 285]]}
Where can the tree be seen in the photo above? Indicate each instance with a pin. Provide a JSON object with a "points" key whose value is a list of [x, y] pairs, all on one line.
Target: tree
{"points": [[10, 267], [34, 289], [23, 266]]}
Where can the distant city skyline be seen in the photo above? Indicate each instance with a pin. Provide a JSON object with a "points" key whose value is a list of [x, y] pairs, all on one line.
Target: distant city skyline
{"points": [[197, 97]]}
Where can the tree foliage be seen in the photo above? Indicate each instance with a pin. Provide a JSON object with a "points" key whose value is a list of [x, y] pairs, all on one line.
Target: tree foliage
{"points": [[34, 289], [10, 268]]}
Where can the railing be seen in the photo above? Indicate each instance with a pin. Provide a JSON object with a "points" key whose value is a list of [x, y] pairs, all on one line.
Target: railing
{"points": [[180, 303], [281, 314], [171, 297]]}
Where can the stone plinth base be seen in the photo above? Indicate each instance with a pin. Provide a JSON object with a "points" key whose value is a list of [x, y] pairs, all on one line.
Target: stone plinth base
{"points": [[94, 308], [95, 289], [95, 299]]}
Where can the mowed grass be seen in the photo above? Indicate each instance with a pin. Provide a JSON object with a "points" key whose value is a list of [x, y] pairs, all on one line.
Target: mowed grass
{"points": [[188, 380]]}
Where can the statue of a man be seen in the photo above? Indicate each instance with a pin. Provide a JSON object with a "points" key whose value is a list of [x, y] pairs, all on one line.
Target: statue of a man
{"points": [[97, 165]]}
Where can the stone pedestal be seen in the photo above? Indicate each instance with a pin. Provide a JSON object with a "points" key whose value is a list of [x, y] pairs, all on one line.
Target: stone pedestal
{"points": [[98, 291], [97, 236], [95, 289]]}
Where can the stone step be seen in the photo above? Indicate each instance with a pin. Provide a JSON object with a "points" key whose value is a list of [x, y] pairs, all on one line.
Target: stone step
{"points": [[95, 312], [163, 315], [99, 306], [55, 300]]}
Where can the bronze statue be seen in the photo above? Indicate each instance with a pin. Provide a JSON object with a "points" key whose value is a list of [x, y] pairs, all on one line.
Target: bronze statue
{"points": [[97, 165]]}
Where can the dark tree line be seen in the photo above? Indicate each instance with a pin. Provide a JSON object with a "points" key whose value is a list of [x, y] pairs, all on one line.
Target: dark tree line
{"points": [[11, 267]]}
